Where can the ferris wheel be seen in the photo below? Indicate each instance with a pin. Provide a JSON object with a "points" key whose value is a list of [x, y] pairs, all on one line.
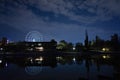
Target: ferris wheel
{"points": [[34, 36]]}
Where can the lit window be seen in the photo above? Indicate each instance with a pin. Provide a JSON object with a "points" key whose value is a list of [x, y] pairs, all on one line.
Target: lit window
{"points": [[40, 48], [39, 59], [105, 49], [106, 56]]}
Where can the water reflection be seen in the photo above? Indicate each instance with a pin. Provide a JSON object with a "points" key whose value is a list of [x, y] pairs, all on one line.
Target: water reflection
{"points": [[33, 70], [75, 67]]}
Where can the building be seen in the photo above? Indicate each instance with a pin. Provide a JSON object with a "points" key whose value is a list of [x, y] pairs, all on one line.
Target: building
{"points": [[32, 46], [40, 46]]}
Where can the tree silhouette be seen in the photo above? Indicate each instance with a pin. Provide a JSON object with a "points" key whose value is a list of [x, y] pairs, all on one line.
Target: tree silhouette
{"points": [[79, 47], [86, 40], [115, 42], [70, 46]]}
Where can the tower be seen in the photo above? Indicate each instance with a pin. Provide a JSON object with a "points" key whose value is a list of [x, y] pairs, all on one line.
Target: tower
{"points": [[86, 39]]}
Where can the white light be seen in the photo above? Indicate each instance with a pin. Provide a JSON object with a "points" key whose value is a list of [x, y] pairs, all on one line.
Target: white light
{"points": [[33, 40], [74, 59], [0, 61], [39, 59], [105, 49], [73, 48], [59, 58], [6, 64], [106, 56], [40, 48], [31, 60], [1, 49]]}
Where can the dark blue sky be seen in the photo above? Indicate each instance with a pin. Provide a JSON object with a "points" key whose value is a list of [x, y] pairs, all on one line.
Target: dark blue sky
{"points": [[59, 19]]}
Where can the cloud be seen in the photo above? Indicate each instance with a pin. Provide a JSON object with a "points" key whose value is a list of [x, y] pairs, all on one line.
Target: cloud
{"points": [[102, 9], [25, 21], [78, 10], [20, 15]]}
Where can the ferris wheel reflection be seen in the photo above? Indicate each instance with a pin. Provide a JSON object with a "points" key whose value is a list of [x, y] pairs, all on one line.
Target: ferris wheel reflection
{"points": [[34, 65]]}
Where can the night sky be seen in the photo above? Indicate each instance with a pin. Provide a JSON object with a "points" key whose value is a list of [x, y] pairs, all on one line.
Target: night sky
{"points": [[59, 19]]}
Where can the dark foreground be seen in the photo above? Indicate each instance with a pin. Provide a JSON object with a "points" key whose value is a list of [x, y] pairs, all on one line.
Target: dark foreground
{"points": [[59, 67]]}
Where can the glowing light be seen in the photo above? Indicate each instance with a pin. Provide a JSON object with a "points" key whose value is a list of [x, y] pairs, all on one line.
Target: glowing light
{"points": [[106, 56], [34, 36], [73, 48], [7, 41], [33, 40], [1, 49], [0, 61], [40, 48], [39, 59], [6, 64], [59, 58], [31, 60], [74, 59], [105, 49]]}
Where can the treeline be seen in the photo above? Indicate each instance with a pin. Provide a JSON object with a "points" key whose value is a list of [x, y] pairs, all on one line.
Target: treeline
{"points": [[111, 45], [97, 45], [69, 46]]}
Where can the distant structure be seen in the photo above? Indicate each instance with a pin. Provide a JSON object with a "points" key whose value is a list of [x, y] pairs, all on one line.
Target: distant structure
{"points": [[34, 36], [33, 42], [86, 39], [4, 41], [39, 46]]}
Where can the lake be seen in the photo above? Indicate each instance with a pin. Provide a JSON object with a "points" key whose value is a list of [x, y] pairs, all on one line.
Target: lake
{"points": [[60, 67]]}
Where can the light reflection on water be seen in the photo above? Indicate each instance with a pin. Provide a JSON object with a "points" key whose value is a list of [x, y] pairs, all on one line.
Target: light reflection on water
{"points": [[66, 67]]}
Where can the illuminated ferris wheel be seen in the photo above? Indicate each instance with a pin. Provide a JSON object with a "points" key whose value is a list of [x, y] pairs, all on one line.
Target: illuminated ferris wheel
{"points": [[34, 36]]}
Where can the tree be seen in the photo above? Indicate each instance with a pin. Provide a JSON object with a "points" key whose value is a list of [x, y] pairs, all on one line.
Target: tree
{"points": [[115, 42], [70, 47], [53, 41], [79, 47], [62, 45], [65, 46], [86, 40]]}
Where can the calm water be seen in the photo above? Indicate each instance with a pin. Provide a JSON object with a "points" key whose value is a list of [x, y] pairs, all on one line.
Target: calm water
{"points": [[67, 67]]}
